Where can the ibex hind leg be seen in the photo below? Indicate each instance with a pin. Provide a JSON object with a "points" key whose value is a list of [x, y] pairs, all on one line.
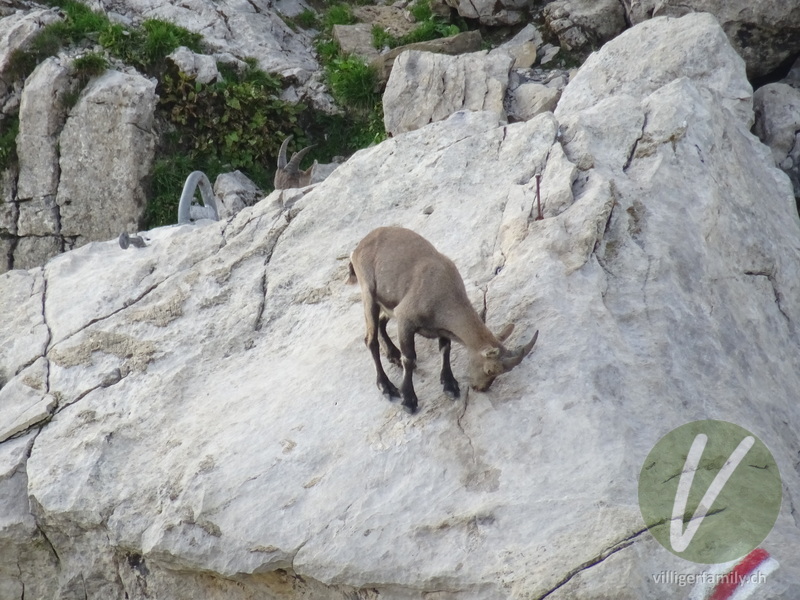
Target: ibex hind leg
{"points": [[447, 379], [371, 312], [389, 349]]}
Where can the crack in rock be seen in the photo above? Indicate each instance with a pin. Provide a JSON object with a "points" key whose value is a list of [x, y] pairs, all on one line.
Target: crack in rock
{"points": [[770, 275], [613, 549]]}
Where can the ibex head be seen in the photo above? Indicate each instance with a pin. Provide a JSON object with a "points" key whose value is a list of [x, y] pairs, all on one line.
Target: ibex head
{"points": [[486, 364], [288, 174]]}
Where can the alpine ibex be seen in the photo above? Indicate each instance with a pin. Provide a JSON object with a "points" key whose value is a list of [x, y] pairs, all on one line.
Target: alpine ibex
{"points": [[289, 174], [403, 276]]}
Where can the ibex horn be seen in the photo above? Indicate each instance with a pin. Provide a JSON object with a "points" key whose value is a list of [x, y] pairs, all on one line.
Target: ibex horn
{"points": [[282, 153], [516, 357], [294, 164]]}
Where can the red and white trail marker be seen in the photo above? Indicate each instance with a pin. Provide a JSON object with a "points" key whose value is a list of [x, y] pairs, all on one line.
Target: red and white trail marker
{"points": [[737, 580]]}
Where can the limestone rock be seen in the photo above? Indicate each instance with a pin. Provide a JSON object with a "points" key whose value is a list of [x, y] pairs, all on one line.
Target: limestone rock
{"points": [[391, 19], [16, 32], [234, 191], [777, 124], [426, 87], [764, 33], [24, 334], [34, 250], [42, 115], [461, 43], [621, 66], [201, 66], [107, 148], [529, 99], [582, 23], [218, 433], [243, 29], [505, 12], [355, 39]]}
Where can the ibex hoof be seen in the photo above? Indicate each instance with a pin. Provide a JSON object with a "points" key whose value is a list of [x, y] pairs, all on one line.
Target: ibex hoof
{"points": [[452, 392], [395, 359], [388, 389], [410, 407]]}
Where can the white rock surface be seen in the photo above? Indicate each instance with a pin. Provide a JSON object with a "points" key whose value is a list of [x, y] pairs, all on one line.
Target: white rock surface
{"points": [[489, 12], [426, 87], [777, 124], [218, 433], [580, 23], [106, 151], [245, 29], [16, 31], [764, 33]]}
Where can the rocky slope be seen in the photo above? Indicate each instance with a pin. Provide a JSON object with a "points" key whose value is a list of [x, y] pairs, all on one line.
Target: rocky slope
{"points": [[198, 418]]}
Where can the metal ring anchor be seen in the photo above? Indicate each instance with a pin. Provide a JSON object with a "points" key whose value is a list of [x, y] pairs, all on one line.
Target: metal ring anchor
{"points": [[188, 212]]}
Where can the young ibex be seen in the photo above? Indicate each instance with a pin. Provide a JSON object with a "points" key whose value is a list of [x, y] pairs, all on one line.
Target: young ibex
{"points": [[403, 276], [289, 174]]}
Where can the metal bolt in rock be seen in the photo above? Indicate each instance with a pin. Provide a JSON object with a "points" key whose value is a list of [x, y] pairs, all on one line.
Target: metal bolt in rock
{"points": [[126, 240]]}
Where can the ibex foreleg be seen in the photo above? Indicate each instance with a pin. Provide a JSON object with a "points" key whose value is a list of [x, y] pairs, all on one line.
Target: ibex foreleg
{"points": [[409, 360], [446, 378]]}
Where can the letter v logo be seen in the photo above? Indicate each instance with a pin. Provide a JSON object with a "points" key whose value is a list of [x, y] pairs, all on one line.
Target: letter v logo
{"points": [[679, 539], [710, 491]]}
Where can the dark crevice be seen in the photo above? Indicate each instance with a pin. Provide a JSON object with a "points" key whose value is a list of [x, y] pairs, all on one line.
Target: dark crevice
{"points": [[770, 275]]}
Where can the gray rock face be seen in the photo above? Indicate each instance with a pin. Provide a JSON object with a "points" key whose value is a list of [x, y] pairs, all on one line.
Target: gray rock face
{"points": [[764, 33], [241, 28], [488, 12], [107, 148], [426, 87], [777, 110], [581, 23], [16, 31], [217, 433]]}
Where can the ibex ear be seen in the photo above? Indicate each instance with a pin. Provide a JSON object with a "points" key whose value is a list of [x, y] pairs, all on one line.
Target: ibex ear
{"points": [[490, 352], [505, 332]]}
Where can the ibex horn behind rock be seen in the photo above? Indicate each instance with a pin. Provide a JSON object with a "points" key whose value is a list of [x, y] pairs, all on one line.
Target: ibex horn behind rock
{"points": [[288, 175], [403, 276]]}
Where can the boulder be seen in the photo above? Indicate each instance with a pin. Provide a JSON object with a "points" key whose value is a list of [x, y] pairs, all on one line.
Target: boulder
{"points": [[764, 33], [201, 66], [523, 47], [42, 114], [355, 39], [461, 43], [218, 433], [244, 29], [585, 23], [777, 124], [234, 191], [106, 151], [487, 12], [529, 99], [678, 48], [426, 87], [16, 32]]}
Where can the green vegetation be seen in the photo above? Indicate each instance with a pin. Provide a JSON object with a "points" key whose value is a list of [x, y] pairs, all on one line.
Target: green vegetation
{"points": [[8, 141], [353, 83], [337, 14], [430, 28], [238, 122], [148, 46]]}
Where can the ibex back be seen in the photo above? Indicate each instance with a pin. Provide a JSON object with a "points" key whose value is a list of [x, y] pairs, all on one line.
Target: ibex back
{"points": [[403, 276]]}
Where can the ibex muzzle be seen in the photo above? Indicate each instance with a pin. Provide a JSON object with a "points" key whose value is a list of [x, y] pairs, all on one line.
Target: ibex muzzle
{"points": [[403, 276]]}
